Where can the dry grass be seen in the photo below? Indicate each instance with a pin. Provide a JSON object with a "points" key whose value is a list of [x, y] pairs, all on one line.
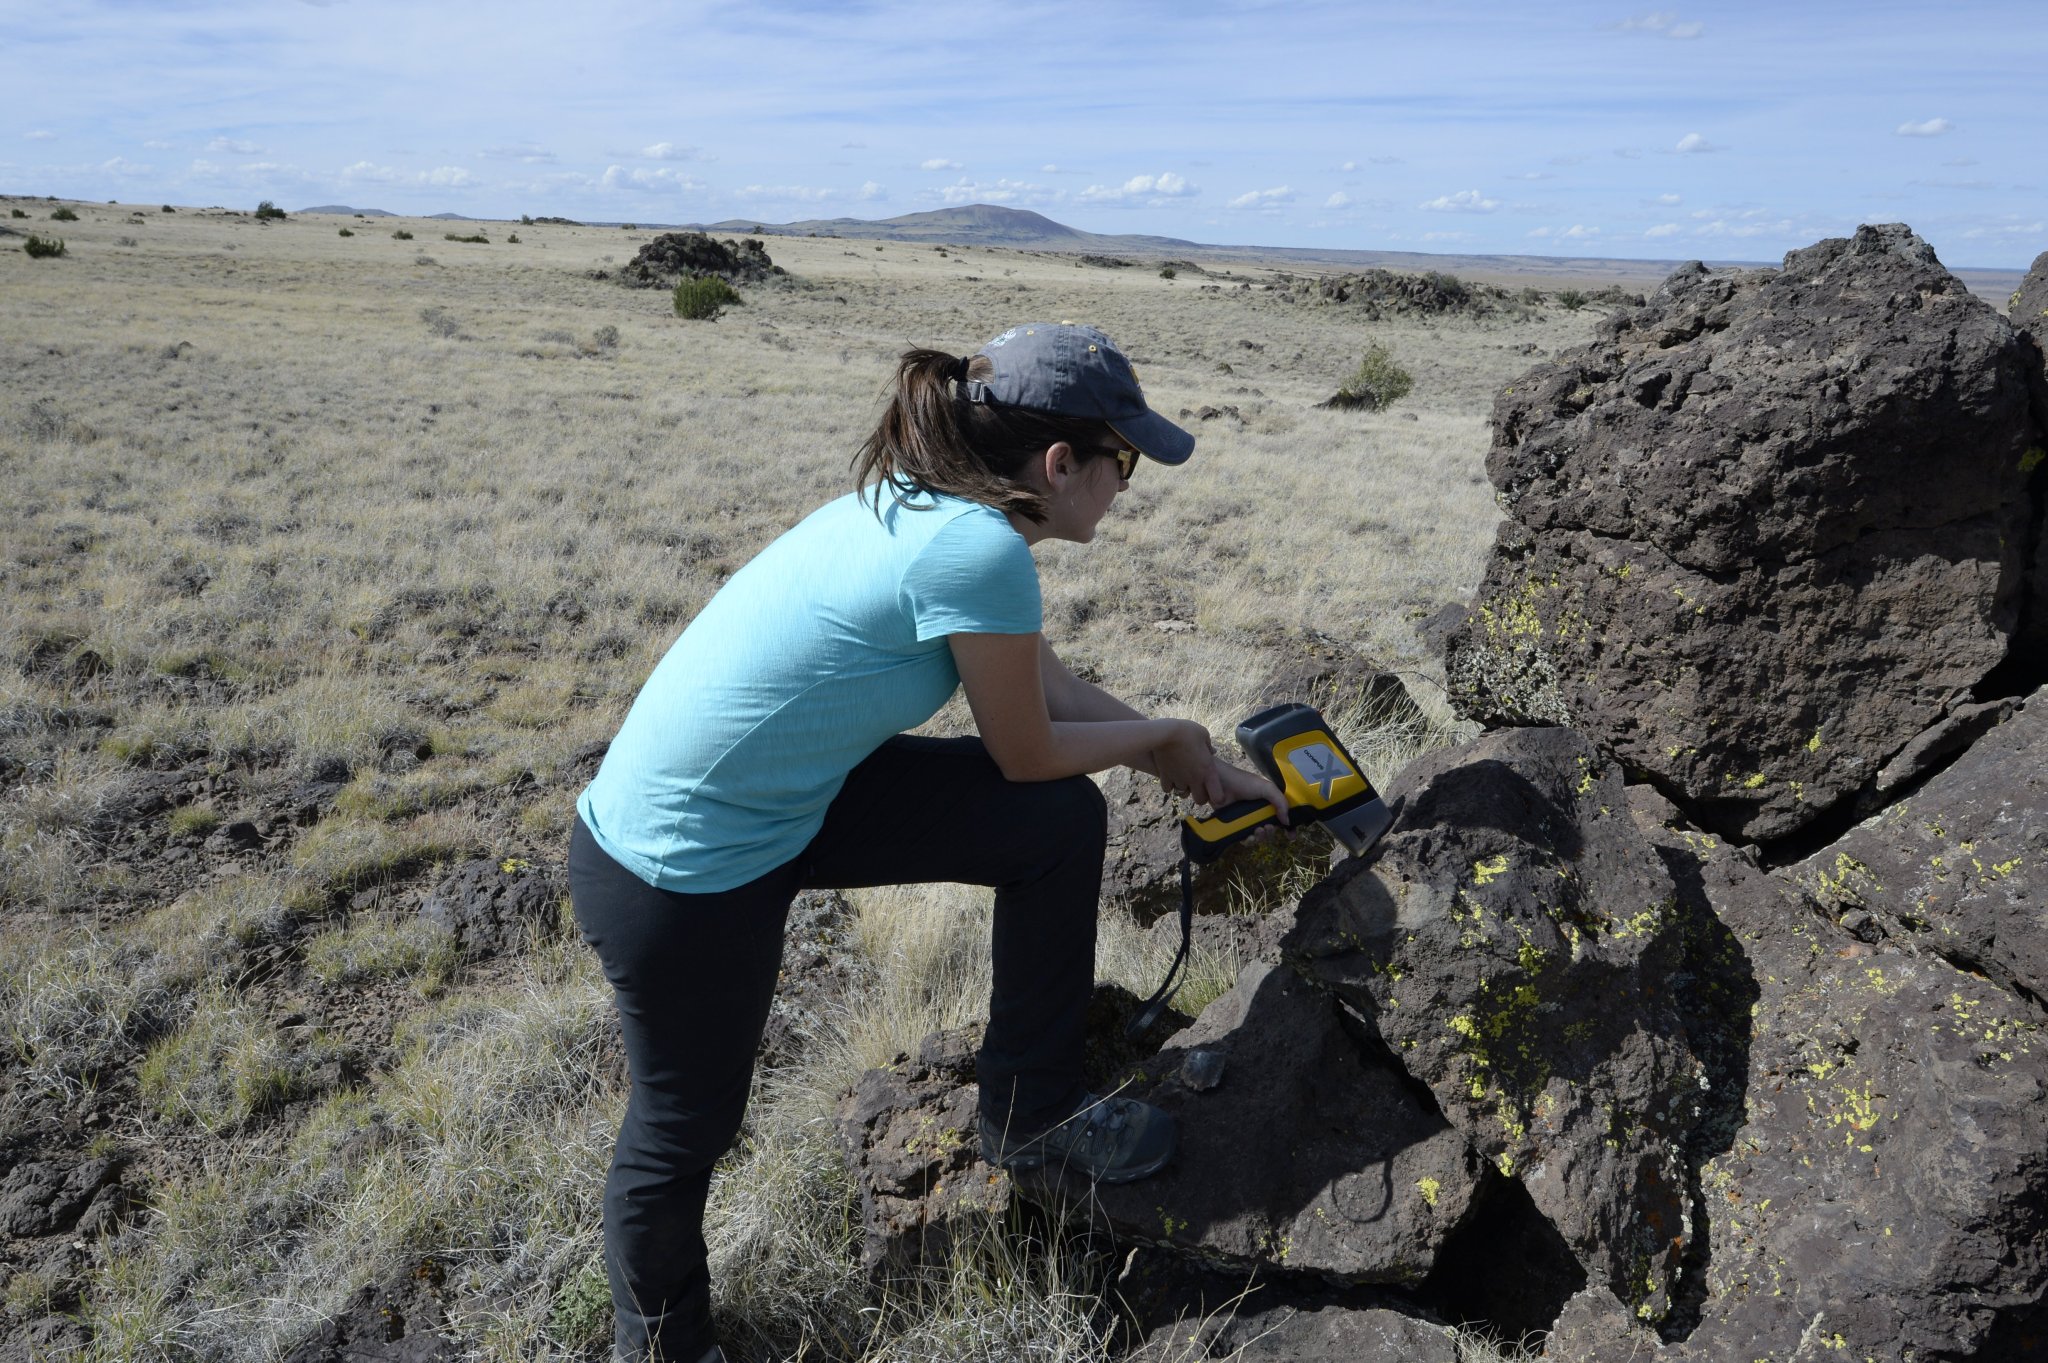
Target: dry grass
{"points": [[283, 504]]}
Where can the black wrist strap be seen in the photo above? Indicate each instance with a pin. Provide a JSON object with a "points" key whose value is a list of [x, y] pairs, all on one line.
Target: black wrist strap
{"points": [[1148, 1012]]}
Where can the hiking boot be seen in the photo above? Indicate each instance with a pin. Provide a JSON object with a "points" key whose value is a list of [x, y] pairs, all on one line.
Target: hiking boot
{"points": [[1108, 1140]]}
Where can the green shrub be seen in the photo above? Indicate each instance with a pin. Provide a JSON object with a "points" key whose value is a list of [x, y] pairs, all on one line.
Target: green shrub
{"points": [[526, 220], [1571, 300], [478, 238], [344, 232], [64, 214], [580, 1316], [168, 209], [194, 821], [267, 210], [700, 297], [40, 247], [1167, 272], [401, 235], [17, 213], [513, 240], [1379, 381]]}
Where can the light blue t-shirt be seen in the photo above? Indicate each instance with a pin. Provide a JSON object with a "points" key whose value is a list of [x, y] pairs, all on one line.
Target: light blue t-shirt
{"points": [[830, 641]]}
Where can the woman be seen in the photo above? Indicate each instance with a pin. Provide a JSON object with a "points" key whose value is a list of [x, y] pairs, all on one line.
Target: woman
{"points": [[765, 755]]}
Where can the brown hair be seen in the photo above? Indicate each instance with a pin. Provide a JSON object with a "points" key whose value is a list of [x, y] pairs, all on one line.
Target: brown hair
{"points": [[932, 439]]}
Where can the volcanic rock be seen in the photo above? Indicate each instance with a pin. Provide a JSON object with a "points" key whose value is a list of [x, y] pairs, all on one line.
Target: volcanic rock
{"points": [[398, 1321], [1289, 1334], [1313, 1154], [491, 907], [1765, 530], [1955, 870], [42, 1198], [909, 1132], [2029, 307], [675, 255], [1512, 942], [1873, 1168]]}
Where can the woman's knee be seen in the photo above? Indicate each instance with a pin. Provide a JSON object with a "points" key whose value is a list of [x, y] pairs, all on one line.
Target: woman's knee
{"points": [[1071, 813]]}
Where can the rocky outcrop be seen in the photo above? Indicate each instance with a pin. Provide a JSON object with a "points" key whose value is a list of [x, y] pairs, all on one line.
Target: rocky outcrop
{"points": [[1511, 942], [1290, 1334], [1878, 1177], [2029, 306], [910, 1137], [1764, 531], [491, 907], [675, 255], [1360, 1179], [1953, 870]]}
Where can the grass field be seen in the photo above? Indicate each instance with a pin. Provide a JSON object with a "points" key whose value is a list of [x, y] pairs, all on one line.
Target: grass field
{"points": [[418, 516]]}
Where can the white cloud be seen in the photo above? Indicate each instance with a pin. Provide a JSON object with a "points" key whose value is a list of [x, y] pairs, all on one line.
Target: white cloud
{"points": [[526, 153], [871, 191], [121, 165], [1578, 233], [1349, 165], [1446, 236], [1464, 201], [938, 163], [39, 135], [1665, 23], [1669, 200], [1721, 227], [1264, 198], [1662, 229], [1538, 232], [1693, 143], [1142, 189], [793, 193], [363, 171], [1533, 175], [1004, 191], [661, 180], [1048, 169], [448, 177], [673, 151], [234, 146], [1933, 127], [1338, 200], [158, 144]]}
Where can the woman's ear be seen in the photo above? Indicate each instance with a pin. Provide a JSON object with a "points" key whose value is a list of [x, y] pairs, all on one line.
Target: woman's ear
{"points": [[1059, 464]]}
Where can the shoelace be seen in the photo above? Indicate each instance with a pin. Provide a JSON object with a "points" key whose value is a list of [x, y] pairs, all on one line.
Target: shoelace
{"points": [[1101, 1128]]}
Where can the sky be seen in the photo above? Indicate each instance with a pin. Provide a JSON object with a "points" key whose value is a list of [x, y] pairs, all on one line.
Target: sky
{"points": [[1724, 131]]}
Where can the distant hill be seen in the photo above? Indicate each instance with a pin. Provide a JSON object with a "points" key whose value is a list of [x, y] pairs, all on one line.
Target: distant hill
{"points": [[350, 212], [969, 225]]}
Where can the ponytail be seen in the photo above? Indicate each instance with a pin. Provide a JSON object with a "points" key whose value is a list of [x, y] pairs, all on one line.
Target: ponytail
{"points": [[931, 438]]}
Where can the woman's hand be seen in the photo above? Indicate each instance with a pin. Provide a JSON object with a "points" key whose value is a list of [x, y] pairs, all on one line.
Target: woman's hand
{"points": [[1186, 763], [1239, 784]]}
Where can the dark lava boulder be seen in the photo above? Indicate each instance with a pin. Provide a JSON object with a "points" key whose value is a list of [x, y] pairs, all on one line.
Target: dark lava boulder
{"points": [[911, 1142], [1872, 1171], [1303, 1147], [2029, 307], [1511, 942], [674, 255], [1956, 868], [1764, 531], [1291, 1334], [493, 907]]}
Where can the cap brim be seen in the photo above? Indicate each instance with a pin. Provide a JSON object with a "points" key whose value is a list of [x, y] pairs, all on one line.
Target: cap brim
{"points": [[1155, 437]]}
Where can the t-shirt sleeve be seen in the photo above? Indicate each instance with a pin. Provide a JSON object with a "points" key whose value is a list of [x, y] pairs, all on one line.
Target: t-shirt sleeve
{"points": [[976, 576]]}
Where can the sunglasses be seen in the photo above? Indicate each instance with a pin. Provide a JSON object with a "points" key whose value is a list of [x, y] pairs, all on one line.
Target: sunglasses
{"points": [[1126, 461]]}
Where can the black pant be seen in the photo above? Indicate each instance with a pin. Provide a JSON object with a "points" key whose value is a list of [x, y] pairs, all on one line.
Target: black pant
{"points": [[694, 975]]}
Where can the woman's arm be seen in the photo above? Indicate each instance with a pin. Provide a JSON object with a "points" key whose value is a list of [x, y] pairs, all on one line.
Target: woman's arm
{"points": [[1006, 691], [1034, 713]]}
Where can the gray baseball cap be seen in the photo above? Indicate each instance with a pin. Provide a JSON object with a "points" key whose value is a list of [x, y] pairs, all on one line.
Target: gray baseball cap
{"points": [[1072, 370]]}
